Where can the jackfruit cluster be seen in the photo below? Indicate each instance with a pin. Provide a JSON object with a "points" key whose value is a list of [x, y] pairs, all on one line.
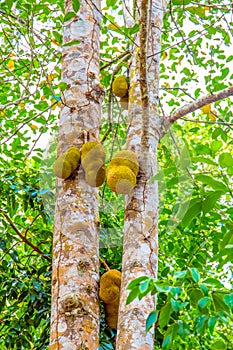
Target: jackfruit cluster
{"points": [[120, 88], [122, 172], [110, 283], [66, 163], [93, 158]]}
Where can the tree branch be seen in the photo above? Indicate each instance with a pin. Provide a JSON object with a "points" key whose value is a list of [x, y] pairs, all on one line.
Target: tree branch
{"points": [[24, 239], [191, 107]]}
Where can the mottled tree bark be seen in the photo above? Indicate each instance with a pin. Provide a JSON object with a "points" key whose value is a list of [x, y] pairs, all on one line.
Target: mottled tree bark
{"points": [[145, 128], [75, 306]]}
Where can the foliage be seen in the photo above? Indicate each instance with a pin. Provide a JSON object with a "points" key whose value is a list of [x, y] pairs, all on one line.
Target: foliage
{"points": [[195, 171]]}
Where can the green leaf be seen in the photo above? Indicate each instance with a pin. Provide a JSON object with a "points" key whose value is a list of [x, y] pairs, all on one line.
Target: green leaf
{"points": [[225, 160], [208, 180], [219, 304], [194, 273], [204, 289], [111, 3], [213, 282], [76, 5], [69, 15], [71, 43], [144, 286], [203, 160], [152, 318], [204, 302], [195, 295], [180, 274], [228, 299], [136, 282], [178, 305], [196, 10], [132, 295], [193, 212], [169, 336], [165, 314], [210, 201], [211, 323], [201, 323], [161, 288], [216, 145], [219, 345], [181, 2], [167, 342]]}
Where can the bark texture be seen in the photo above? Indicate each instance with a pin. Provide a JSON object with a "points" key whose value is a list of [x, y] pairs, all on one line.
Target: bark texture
{"points": [[140, 252], [75, 305], [191, 107]]}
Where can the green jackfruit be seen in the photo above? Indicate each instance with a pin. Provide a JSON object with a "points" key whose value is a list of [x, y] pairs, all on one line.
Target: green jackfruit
{"points": [[95, 177], [125, 158], [93, 158], [67, 162], [90, 152], [120, 86], [110, 283], [121, 179]]}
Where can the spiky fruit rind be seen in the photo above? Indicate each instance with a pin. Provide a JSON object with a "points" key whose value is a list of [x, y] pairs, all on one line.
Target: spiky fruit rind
{"points": [[123, 162], [90, 152], [66, 163], [95, 178], [112, 275], [121, 179], [95, 165], [110, 283], [120, 86], [126, 158]]}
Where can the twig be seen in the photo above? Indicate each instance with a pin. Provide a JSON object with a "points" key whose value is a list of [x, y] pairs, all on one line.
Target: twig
{"points": [[207, 122], [126, 53], [106, 267], [24, 239]]}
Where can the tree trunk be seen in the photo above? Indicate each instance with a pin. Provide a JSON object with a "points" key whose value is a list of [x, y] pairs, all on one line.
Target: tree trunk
{"points": [[145, 128], [75, 306]]}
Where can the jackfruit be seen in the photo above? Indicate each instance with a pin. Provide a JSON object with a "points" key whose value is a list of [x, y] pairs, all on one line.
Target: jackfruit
{"points": [[122, 172], [110, 283], [126, 158], [124, 102], [121, 179], [92, 158], [67, 162], [90, 152], [95, 177], [111, 313], [120, 86]]}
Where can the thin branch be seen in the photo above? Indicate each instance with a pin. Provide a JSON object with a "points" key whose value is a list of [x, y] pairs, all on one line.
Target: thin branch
{"points": [[203, 32], [16, 102], [191, 107], [26, 122], [126, 53], [23, 238], [207, 122], [105, 265]]}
